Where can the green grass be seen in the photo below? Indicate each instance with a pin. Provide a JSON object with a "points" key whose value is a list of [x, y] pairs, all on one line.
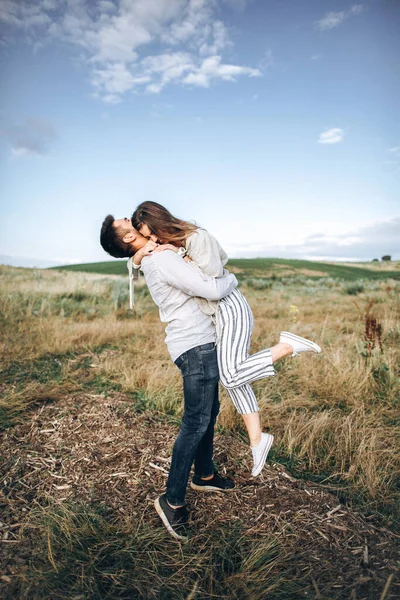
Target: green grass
{"points": [[84, 552], [254, 267], [114, 267]]}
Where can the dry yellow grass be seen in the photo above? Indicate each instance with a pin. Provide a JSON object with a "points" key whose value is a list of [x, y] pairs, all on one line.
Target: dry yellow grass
{"points": [[333, 414], [79, 472], [385, 265]]}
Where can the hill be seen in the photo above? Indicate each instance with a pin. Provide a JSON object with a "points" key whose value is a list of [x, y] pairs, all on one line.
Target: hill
{"points": [[271, 267]]}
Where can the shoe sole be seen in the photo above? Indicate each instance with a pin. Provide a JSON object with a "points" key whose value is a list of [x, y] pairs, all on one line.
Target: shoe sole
{"points": [[209, 488], [261, 464], [296, 338], [167, 524]]}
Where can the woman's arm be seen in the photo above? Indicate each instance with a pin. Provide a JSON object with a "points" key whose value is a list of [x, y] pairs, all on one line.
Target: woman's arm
{"points": [[191, 281], [145, 251], [201, 247], [206, 252]]}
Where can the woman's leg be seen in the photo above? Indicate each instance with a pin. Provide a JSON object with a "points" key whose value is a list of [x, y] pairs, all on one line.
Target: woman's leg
{"points": [[260, 443], [245, 402], [235, 325], [236, 366], [235, 321], [237, 369]]}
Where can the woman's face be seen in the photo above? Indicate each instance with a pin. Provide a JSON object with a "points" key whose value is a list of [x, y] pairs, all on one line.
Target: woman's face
{"points": [[145, 231]]}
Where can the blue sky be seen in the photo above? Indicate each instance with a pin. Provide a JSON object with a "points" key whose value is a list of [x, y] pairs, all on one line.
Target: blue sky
{"points": [[274, 124]]}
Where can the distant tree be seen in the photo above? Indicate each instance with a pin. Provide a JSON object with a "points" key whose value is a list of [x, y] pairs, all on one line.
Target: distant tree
{"points": [[375, 260], [387, 257]]}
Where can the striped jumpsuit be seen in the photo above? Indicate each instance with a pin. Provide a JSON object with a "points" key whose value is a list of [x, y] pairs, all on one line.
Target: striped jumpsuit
{"points": [[234, 322]]}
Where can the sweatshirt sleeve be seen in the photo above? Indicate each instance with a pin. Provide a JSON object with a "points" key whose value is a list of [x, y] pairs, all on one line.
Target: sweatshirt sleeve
{"points": [[179, 274], [205, 251]]}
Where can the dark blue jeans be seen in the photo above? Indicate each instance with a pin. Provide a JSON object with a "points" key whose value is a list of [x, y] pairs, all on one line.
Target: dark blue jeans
{"points": [[195, 441]]}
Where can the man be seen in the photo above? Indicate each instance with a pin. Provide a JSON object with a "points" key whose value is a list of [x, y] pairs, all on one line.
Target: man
{"points": [[173, 285]]}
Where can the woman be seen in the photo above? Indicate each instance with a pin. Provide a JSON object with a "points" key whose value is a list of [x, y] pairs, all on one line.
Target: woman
{"points": [[233, 317]]}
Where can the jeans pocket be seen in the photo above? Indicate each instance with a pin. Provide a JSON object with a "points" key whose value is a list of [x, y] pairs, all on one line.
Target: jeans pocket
{"points": [[209, 349], [181, 359]]}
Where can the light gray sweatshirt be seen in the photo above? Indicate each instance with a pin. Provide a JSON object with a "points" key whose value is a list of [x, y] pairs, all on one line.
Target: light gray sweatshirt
{"points": [[206, 252], [174, 286]]}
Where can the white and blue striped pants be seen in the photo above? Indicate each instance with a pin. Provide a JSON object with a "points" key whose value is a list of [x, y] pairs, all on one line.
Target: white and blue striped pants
{"points": [[237, 369]]}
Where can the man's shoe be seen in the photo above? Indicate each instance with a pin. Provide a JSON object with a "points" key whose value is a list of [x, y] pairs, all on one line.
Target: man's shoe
{"points": [[298, 343], [174, 519], [260, 453], [216, 484]]}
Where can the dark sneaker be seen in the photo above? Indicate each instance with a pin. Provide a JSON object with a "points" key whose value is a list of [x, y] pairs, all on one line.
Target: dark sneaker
{"points": [[216, 484], [174, 519]]}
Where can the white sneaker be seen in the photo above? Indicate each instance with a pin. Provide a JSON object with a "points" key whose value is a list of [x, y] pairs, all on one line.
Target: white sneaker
{"points": [[260, 453], [298, 343]]}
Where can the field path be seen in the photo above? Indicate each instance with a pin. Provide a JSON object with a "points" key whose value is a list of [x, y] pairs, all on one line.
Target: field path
{"points": [[97, 450]]}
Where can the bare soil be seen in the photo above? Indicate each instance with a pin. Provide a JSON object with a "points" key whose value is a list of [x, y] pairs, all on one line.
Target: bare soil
{"points": [[97, 449]]}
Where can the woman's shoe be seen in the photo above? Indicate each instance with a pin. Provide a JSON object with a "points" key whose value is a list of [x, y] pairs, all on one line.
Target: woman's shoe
{"points": [[298, 343], [260, 453]]}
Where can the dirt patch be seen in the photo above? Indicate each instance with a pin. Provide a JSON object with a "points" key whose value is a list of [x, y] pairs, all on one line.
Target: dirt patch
{"points": [[98, 449], [312, 273], [388, 265], [233, 269]]}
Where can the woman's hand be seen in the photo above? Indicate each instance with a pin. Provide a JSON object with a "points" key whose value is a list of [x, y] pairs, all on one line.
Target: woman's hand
{"points": [[147, 249], [163, 247]]}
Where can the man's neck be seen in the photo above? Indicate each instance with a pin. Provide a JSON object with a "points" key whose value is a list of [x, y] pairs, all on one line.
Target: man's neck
{"points": [[137, 245]]}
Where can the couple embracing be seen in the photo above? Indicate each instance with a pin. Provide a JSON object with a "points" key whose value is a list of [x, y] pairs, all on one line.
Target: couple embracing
{"points": [[208, 334]]}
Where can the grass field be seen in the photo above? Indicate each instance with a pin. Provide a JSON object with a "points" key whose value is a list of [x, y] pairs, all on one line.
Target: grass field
{"points": [[90, 406], [272, 267]]}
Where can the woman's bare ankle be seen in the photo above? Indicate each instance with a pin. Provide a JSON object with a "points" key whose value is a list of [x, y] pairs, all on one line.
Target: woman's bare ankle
{"points": [[255, 441], [280, 350]]}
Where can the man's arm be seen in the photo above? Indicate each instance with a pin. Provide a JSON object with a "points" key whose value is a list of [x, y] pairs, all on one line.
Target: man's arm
{"points": [[191, 281]]}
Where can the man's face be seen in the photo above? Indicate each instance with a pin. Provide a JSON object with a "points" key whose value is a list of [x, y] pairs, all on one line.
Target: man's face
{"points": [[130, 234]]}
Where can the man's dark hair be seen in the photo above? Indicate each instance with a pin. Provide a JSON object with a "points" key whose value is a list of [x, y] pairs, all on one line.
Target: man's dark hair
{"points": [[111, 239]]}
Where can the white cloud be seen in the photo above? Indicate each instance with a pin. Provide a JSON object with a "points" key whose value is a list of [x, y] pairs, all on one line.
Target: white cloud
{"points": [[22, 261], [330, 20], [165, 68], [395, 151], [357, 9], [238, 5], [105, 6], [32, 136], [111, 99], [333, 19], [331, 136], [267, 62], [211, 68], [19, 151], [369, 241], [393, 164], [115, 37], [154, 88], [113, 79]]}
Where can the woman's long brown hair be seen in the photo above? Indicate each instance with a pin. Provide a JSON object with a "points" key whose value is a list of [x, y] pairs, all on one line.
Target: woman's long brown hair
{"points": [[160, 222]]}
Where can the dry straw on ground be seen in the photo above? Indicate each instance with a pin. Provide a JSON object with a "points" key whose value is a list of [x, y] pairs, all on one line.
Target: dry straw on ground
{"points": [[95, 450], [91, 402]]}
